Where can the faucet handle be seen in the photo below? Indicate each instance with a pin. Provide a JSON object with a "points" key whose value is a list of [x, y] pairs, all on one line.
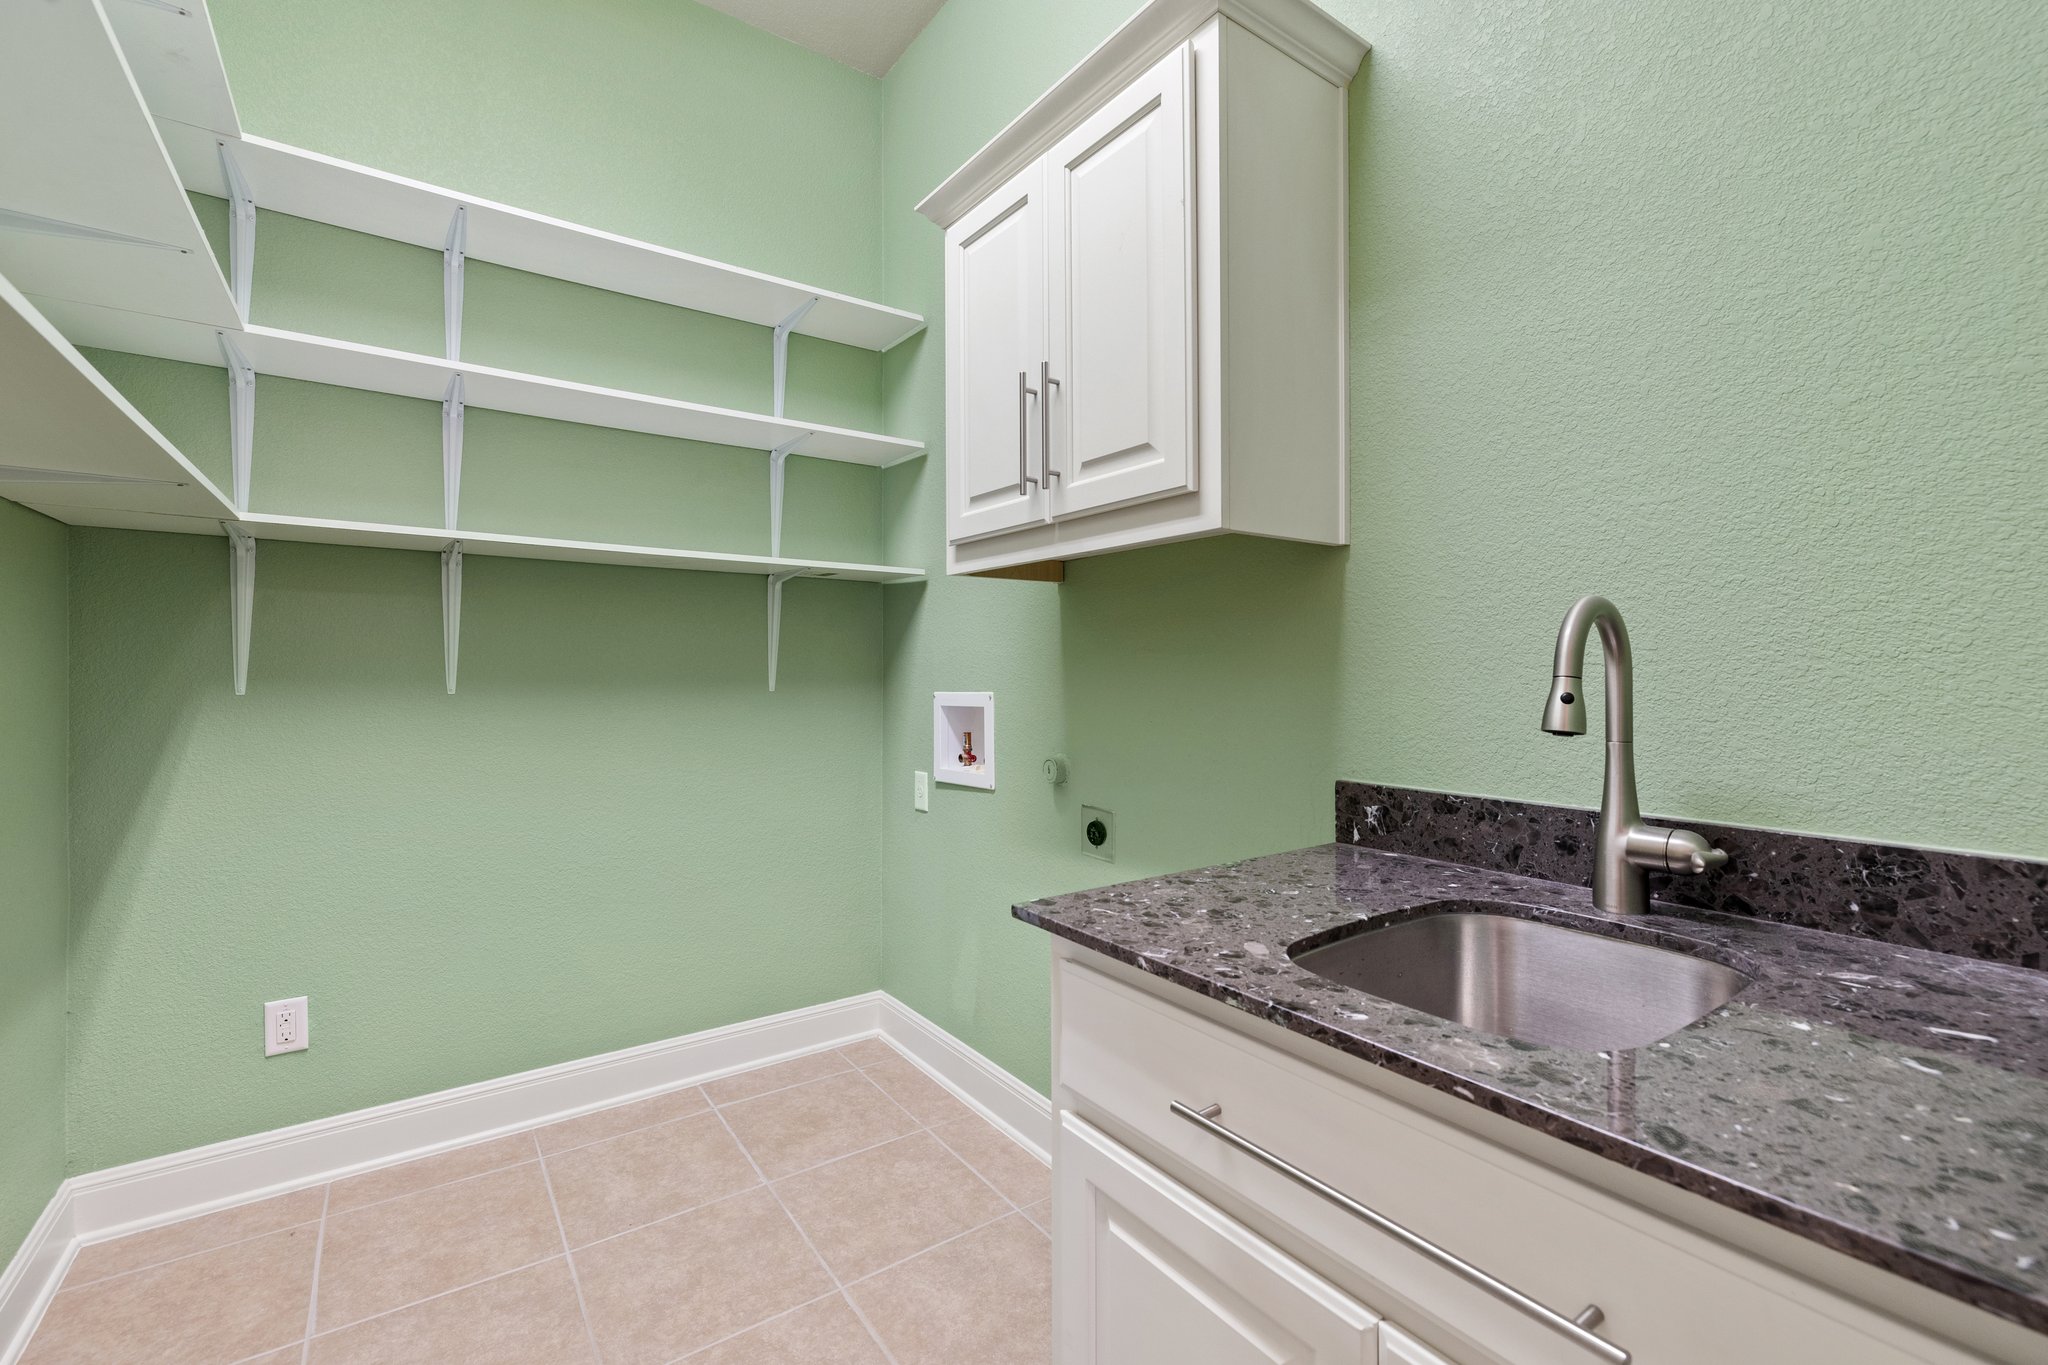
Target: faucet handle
{"points": [[1688, 852]]}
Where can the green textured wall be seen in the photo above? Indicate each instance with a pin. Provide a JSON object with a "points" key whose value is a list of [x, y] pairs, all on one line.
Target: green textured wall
{"points": [[659, 119], [613, 833], [34, 868], [1733, 312]]}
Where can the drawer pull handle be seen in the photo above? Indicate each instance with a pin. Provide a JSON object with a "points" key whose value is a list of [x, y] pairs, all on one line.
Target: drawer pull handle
{"points": [[1579, 1329]]}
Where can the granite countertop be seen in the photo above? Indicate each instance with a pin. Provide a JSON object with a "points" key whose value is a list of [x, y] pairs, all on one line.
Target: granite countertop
{"points": [[1888, 1102]]}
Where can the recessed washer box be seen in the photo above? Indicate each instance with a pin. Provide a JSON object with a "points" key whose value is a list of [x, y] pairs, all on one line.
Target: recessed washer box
{"points": [[956, 716]]}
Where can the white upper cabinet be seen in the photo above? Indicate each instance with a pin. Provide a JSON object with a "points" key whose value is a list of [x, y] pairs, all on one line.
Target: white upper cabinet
{"points": [[1120, 289], [994, 359], [1145, 295]]}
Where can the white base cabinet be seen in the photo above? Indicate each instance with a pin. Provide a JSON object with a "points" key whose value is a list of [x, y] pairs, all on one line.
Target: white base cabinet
{"points": [[1154, 1275], [1173, 1245], [1145, 295], [1398, 1348]]}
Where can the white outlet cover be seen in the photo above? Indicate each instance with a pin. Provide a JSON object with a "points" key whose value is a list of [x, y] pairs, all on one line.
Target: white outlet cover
{"points": [[286, 1026], [921, 791]]}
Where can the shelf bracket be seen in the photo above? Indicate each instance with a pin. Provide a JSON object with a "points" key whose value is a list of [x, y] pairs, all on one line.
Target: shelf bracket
{"points": [[451, 610], [451, 450], [778, 472], [241, 598], [452, 257], [775, 582], [241, 230], [241, 416], [782, 331]]}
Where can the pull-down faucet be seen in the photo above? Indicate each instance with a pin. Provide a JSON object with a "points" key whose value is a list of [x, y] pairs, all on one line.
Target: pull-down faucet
{"points": [[1623, 846]]}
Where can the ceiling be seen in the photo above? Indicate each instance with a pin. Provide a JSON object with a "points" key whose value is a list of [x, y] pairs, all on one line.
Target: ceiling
{"points": [[867, 35]]}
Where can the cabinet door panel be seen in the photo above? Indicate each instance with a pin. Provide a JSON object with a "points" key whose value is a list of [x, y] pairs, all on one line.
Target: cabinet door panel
{"points": [[1120, 279], [995, 319], [1398, 1348], [1151, 1274]]}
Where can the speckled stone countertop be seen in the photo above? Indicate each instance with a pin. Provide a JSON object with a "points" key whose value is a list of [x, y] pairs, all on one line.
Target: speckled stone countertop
{"points": [[1889, 1102]]}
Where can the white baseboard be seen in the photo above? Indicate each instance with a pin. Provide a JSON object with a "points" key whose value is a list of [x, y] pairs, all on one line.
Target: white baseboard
{"points": [[1001, 1098], [32, 1277], [167, 1189]]}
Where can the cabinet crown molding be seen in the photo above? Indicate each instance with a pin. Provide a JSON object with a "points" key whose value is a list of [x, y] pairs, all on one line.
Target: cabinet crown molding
{"points": [[1295, 27]]}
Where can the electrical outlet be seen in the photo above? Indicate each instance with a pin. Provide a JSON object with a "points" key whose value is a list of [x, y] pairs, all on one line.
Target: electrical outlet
{"points": [[1098, 831], [285, 1026], [921, 791]]}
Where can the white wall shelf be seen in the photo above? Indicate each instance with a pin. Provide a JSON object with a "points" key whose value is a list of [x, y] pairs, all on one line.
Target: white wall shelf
{"points": [[104, 249], [321, 360], [176, 62], [80, 452], [327, 531], [72, 438], [327, 190], [90, 208]]}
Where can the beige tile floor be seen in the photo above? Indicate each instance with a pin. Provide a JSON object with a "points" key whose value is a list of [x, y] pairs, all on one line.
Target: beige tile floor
{"points": [[838, 1209]]}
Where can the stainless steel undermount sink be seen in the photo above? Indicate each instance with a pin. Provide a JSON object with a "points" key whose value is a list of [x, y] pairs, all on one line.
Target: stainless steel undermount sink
{"points": [[1492, 968]]}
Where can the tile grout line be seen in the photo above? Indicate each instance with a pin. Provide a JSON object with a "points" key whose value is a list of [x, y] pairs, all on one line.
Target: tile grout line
{"points": [[403, 1307], [532, 1134], [694, 1352], [313, 1297], [703, 1087], [762, 1183], [440, 1184], [947, 1241], [973, 1170], [861, 1316], [261, 1355], [320, 1221], [809, 1245], [68, 1287], [933, 1129], [852, 1069], [569, 1257], [623, 1132], [750, 1189], [892, 1099], [713, 1107]]}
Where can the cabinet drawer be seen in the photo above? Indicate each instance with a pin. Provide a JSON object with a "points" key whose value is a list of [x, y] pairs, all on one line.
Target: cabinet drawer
{"points": [[1669, 1296]]}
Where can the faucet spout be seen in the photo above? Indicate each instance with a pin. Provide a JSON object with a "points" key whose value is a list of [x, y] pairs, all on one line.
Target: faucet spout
{"points": [[1565, 713], [1623, 845]]}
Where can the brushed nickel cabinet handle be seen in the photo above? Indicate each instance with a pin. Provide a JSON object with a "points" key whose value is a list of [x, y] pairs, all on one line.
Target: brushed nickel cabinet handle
{"points": [[1046, 384], [1025, 393], [1578, 1329]]}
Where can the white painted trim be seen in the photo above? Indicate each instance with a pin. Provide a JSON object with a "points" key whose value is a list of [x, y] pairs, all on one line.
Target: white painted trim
{"points": [[1297, 27], [126, 1199], [31, 1278]]}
